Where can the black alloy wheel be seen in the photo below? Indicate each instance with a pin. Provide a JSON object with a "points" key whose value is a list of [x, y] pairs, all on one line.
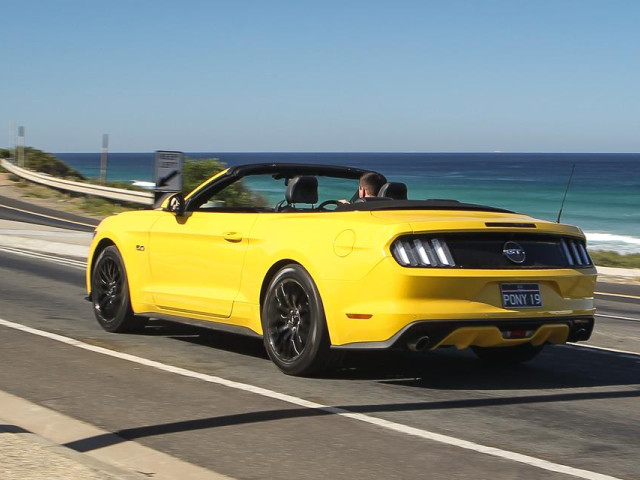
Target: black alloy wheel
{"points": [[293, 321], [110, 293], [508, 355]]}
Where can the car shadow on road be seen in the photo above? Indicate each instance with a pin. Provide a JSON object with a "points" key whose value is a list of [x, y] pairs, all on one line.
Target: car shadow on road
{"points": [[556, 370], [558, 367], [446, 368], [247, 418], [208, 337]]}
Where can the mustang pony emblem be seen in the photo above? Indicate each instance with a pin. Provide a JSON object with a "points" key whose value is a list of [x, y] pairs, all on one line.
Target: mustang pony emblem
{"points": [[514, 252]]}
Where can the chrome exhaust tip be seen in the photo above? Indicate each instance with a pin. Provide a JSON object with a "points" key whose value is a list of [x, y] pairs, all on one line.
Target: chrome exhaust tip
{"points": [[418, 344]]}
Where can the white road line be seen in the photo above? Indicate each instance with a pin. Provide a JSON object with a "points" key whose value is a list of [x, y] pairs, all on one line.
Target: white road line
{"points": [[46, 216], [617, 295], [385, 424], [77, 264], [621, 353], [617, 317]]}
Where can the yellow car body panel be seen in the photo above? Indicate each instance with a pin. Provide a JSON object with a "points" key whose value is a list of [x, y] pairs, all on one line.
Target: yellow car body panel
{"points": [[215, 266]]}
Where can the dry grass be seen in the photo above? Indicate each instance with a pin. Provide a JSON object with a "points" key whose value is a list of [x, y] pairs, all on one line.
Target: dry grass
{"points": [[614, 259]]}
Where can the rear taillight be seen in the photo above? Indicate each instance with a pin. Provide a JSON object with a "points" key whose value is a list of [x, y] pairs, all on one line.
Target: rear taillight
{"points": [[575, 253], [422, 252]]}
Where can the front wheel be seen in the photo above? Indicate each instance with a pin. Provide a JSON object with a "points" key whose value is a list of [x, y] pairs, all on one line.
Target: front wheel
{"points": [[293, 321], [508, 355], [110, 293]]}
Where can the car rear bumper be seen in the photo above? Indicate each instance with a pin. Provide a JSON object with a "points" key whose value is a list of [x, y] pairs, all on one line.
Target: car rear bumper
{"points": [[391, 300], [431, 334]]}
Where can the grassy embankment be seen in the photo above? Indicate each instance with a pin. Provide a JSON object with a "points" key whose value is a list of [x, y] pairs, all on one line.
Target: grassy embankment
{"points": [[614, 259], [43, 162]]}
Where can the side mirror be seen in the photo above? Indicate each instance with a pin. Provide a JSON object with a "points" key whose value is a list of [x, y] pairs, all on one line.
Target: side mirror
{"points": [[175, 204]]}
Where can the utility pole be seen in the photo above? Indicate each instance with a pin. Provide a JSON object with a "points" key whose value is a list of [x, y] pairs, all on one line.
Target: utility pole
{"points": [[14, 140], [20, 146], [104, 157]]}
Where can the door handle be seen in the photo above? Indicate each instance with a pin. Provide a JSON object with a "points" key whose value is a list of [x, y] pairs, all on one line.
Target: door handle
{"points": [[233, 237]]}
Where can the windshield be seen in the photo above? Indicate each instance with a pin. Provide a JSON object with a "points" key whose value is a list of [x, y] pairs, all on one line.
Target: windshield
{"points": [[265, 192]]}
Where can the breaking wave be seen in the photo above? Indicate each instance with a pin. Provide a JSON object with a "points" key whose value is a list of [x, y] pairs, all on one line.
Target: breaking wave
{"points": [[609, 241]]}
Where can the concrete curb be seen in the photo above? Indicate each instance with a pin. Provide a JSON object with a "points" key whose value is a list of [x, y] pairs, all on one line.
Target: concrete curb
{"points": [[45, 239], [27, 455], [55, 248], [123, 460], [619, 272]]}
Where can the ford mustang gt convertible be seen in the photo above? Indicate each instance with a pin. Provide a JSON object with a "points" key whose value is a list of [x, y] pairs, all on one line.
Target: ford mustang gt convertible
{"points": [[271, 250]]}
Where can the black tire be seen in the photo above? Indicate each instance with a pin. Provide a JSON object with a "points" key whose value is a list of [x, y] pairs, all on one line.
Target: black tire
{"points": [[293, 321], [110, 294], [508, 355]]}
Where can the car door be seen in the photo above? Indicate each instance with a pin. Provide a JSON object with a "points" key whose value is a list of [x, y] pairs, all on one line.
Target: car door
{"points": [[196, 261]]}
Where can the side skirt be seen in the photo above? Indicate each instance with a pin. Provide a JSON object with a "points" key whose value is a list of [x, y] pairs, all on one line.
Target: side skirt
{"points": [[210, 324]]}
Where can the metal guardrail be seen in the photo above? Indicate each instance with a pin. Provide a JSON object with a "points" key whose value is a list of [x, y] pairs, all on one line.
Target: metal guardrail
{"points": [[120, 194]]}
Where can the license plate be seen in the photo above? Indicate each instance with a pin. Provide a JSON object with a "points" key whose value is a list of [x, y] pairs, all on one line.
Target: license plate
{"points": [[520, 295]]}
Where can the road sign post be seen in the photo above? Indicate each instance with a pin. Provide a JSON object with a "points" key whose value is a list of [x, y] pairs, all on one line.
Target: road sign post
{"points": [[20, 148], [104, 157], [168, 172]]}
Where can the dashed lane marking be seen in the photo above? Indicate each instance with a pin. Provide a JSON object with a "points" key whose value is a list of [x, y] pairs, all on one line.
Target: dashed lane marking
{"points": [[378, 422], [77, 264]]}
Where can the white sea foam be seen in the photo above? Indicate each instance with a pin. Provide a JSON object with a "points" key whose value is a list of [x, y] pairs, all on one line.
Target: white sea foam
{"points": [[143, 184], [610, 241]]}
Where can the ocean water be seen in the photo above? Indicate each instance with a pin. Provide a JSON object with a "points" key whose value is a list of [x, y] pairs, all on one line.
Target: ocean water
{"points": [[603, 200]]}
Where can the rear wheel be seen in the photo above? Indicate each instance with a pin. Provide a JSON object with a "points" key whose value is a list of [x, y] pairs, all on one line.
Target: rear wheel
{"points": [[110, 294], [295, 331], [508, 355]]}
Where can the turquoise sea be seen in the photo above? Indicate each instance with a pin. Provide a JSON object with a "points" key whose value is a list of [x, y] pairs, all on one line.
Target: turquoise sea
{"points": [[604, 197]]}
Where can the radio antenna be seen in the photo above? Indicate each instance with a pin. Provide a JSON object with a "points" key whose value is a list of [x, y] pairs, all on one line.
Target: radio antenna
{"points": [[565, 193]]}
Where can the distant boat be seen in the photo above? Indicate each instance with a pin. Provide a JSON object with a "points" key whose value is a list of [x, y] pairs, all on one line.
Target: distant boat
{"points": [[143, 184]]}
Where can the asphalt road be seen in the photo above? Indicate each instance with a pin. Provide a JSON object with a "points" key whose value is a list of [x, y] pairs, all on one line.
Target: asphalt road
{"points": [[571, 406], [18, 211]]}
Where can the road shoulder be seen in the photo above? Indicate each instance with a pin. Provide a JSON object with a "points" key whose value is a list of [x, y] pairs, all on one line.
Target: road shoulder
{"points": [[31, 439]]}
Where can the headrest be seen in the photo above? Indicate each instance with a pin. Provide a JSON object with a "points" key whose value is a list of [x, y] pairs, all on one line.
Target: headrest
{"points": [[303, 189], [395, 190]]}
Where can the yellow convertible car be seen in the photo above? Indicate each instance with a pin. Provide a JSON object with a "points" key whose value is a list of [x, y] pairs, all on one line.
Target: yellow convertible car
{"points": [[269, 250]]}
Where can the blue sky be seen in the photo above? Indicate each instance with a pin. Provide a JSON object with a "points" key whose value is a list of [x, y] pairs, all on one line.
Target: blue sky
{"points": [[271, 75]]}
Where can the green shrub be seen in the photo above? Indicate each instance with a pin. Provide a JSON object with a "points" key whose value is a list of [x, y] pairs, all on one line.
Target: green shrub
{"points": [[46, 163], [4, 153], [194, 172]]}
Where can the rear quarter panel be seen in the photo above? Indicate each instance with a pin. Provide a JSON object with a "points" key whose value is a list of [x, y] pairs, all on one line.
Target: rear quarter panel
{"points": [[332, 246], [347, 255]]}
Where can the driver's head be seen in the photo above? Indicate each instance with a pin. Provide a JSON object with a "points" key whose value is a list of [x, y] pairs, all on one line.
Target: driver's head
{"points": [[370, 184]]}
